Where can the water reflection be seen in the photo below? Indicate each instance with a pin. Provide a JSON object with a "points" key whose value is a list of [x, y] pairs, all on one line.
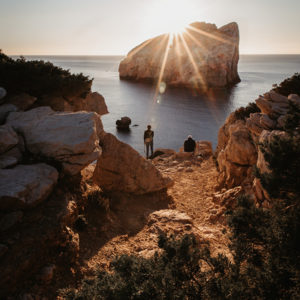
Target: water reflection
{"points": [[173, 115]]}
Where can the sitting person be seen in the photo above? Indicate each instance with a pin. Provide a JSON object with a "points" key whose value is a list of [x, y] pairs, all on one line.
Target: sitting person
{"points": [[189, 144]]}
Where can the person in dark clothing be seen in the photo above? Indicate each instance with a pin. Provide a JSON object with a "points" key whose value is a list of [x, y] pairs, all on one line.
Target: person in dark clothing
{"points": [[189, 144], [148, 140]]}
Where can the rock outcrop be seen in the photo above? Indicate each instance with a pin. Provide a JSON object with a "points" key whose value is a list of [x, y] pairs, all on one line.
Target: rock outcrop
{"points": [[8, 138], [121, 169], [69, 138], [238, 150], [26, 185], [93, 102], [124, 123], [204, 56]]}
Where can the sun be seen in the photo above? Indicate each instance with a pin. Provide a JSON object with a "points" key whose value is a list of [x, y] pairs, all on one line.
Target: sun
{"points": [[177, 28]]}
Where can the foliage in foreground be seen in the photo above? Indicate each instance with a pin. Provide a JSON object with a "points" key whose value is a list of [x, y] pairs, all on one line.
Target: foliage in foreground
{"points": [[39, 78], [265, 245], [244, 112], [289, 86]]}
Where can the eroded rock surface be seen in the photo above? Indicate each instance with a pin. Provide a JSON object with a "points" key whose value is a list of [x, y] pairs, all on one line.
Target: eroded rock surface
{"points": [[214, 62], [69, 138], [122, 169], [239, 141], [26, 185]]}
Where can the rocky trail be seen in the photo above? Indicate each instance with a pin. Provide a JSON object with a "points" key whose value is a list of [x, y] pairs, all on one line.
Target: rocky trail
{"points": [[132, 226]]}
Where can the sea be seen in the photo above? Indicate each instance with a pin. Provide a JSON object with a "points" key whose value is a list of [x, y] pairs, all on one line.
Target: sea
{"points": [[177, 112]]}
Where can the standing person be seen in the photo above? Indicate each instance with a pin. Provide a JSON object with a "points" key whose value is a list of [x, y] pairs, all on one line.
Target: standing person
{"points": [[148, 140], [189, 144]]}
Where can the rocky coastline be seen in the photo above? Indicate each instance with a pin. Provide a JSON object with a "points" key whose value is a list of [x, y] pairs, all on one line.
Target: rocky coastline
{"points": [[62, 216]]}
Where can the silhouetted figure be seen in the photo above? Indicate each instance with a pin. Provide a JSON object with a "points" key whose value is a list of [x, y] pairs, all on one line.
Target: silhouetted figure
{"points": [[148, 140], [189, 144]]}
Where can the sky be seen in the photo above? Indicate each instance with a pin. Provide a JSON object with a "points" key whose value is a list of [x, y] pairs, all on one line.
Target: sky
{"points": [[114, 27]]}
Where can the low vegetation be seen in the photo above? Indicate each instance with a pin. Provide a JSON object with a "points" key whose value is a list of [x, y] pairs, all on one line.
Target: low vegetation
{"points": [[265, 245], [244, 112], [289, 86], [39, 78]]}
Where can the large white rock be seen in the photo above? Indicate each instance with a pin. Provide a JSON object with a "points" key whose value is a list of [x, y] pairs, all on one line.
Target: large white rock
{"points": [[69, 138], [204, 56], [8, 138], [121, 169], [26, 185]]}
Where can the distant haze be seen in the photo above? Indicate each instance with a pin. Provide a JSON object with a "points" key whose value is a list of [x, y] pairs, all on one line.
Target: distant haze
{"points": [[113, 27]]}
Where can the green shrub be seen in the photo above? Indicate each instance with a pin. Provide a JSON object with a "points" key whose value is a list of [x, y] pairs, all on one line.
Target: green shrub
{"points": [[39, 78], [289, 86], [244, 112]]}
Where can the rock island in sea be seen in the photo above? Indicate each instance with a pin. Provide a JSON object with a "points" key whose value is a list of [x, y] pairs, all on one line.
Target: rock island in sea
{"points": [[202, 56]]}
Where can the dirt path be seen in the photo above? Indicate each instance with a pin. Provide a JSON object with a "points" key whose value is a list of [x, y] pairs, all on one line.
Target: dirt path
{"points": [[133, 224], [128, 229]]}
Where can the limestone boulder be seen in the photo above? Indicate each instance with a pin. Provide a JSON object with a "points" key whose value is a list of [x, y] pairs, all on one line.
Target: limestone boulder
{"points": [[204, 148], [8, 138], [123, 123], [169, 215], [240, 148], [228, 198], [223, 134], [273, 104], [257, 122], [214, 52], [5, 109], [238, 155], [95, 102], [26, 185], [121, 169], [10, 158], [232, 174], [71, 139]]}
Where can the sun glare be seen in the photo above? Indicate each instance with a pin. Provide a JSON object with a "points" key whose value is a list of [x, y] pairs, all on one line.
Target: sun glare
{"points": [[177, 28]]}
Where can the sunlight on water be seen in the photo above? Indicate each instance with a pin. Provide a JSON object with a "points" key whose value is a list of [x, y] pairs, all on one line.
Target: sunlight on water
{"points": [[175, 113]]}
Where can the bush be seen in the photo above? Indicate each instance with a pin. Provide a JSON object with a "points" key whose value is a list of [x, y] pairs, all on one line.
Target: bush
{"points": [[244, 112], [173, 274], [265, 246], [289, 86], [39, 78]]}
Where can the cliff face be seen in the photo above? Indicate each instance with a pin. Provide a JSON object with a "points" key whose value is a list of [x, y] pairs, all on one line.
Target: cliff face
{"points": [[201, 57], [245, 130]]}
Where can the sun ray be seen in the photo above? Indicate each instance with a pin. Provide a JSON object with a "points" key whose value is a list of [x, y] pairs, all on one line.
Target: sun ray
{"points": [[163, 65], [201, 46], [198, 74], [178, 51]]}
